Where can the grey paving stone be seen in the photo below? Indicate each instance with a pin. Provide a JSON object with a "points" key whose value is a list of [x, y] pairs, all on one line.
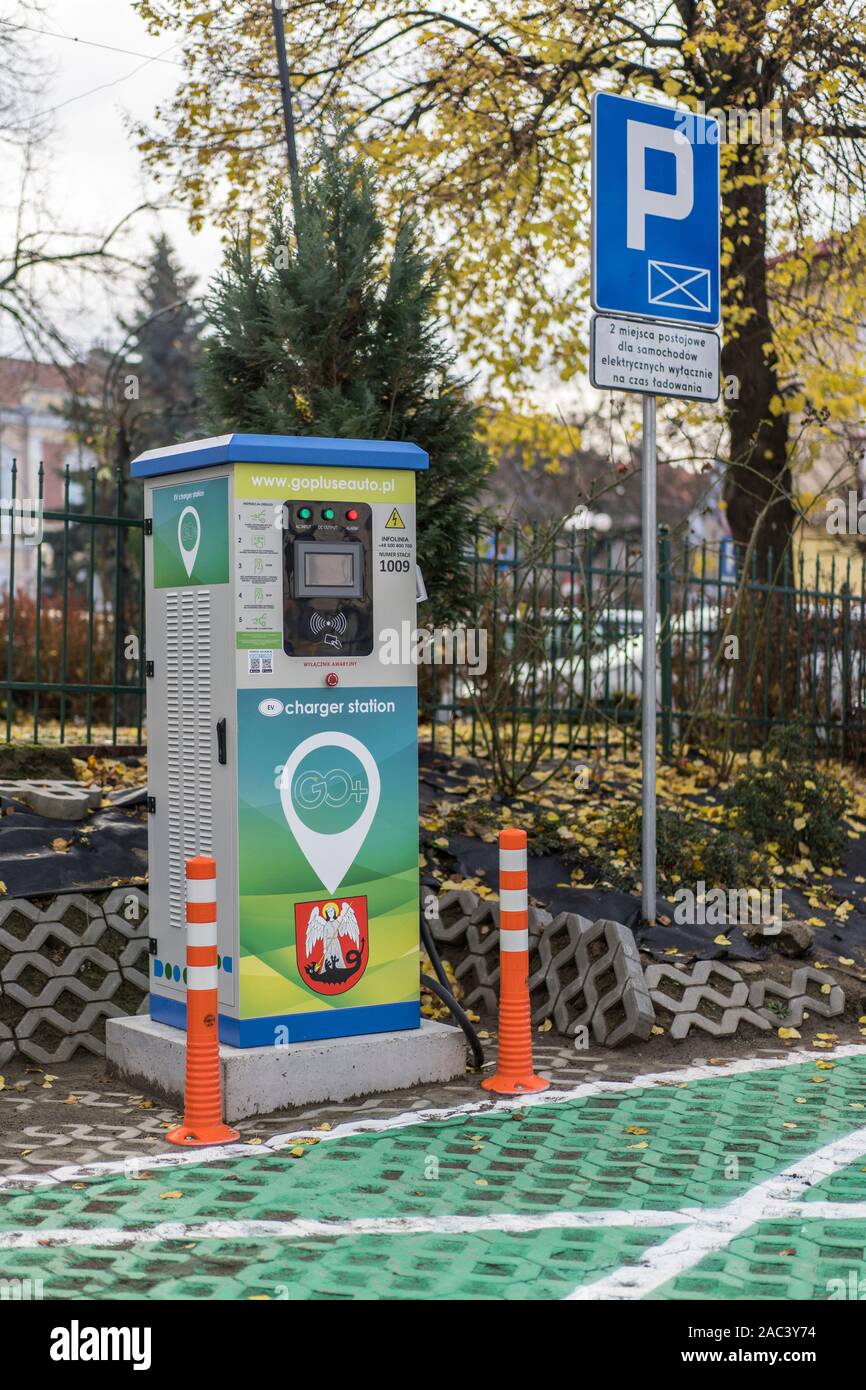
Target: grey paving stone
{"points": [[712, 997], [798, 997]]}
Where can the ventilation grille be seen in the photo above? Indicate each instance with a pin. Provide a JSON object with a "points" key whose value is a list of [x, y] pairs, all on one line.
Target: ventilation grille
{"points": [[190, 738]]}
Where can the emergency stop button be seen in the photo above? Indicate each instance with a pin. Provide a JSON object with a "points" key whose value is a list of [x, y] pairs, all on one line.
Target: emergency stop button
{"points": [[332, 679]]}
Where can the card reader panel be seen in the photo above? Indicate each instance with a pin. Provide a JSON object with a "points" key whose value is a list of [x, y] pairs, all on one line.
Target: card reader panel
{"points": [[327, 579]]}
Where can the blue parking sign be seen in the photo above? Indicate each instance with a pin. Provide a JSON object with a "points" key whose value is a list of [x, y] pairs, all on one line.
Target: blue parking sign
{"points": [[655, 211]]}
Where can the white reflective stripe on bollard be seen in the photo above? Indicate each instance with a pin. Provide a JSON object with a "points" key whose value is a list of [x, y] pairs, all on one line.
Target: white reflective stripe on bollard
{"points": [[201, 977], [201, 933], [513, 900], [513, 939], [201, 890], [512, 860]]}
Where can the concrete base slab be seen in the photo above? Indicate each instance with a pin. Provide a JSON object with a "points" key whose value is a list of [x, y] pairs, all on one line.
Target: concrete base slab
{"points": [[257, 1080]]}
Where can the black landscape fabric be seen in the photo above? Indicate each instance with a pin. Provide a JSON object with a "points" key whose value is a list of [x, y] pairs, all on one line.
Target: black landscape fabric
{"points": [[548, 874], [109, 846]]}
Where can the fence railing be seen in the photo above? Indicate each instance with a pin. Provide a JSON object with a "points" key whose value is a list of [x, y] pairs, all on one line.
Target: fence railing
{"points": [[72, 615], [741, 649], [744, 645]]}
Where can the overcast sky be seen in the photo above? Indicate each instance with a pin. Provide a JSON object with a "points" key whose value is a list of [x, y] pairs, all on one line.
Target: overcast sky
{"points": [[91, 168], [91, 171]]}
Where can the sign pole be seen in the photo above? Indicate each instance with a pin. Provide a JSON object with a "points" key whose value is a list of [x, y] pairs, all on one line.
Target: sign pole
{"points": [[656, 295], [648, 686]]}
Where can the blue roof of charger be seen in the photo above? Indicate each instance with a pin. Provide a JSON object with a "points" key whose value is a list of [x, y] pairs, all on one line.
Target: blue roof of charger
{"points": [[281, 449]]}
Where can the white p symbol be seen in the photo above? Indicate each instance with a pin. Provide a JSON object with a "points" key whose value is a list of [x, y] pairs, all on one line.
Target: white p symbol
{"points": [[643, 202]]}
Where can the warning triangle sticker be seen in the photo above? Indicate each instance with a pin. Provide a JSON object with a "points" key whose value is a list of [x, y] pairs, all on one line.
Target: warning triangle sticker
{"points": [[394, 522]]}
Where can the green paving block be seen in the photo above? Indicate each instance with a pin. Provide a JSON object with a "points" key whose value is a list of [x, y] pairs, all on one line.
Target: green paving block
{"points": [[544, 1264], [652, 1148], [705, 1143], [848, 1185], [802, 1259]]}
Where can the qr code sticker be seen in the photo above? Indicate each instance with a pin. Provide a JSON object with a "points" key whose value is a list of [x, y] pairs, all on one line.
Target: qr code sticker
{"points": [[260, 663]]}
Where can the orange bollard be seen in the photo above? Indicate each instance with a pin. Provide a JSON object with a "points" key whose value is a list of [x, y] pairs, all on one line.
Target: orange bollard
{"points": [[514, 1074], [202, 1098]]}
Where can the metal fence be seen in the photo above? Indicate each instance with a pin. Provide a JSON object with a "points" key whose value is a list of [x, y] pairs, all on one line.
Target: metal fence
{"points": [[72, 615], [743, 647], [560, 612]]}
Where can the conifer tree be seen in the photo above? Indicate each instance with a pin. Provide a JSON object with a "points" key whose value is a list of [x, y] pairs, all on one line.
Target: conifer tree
{"points": [[143, 395], [163, 356], [333, 332]]}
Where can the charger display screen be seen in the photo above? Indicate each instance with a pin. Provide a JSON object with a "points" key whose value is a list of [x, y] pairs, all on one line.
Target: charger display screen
{"points": [[329, 569]]}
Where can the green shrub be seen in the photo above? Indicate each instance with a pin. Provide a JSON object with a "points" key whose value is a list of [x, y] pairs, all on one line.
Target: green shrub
{"points": [[789, 804], [686, 850]]}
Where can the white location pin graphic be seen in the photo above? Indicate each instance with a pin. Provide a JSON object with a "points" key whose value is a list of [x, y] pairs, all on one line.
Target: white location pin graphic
{"points": [[188, 552], [331, 855]]}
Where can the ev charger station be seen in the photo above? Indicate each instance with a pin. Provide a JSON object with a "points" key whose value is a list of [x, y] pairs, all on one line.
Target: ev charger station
{"points": [[281, 742]]}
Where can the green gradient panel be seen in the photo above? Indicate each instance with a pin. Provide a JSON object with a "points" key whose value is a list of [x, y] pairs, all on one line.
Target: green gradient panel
{"points": [[186, 553], [275, 874]]}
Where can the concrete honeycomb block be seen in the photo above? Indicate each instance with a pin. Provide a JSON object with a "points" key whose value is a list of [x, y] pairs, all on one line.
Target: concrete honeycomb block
{"points": [[712, 997], [131, 952], [32, 1020], [625, 1010], [69, 908], [607, 989], [581, 973], [455, 911], [479, 979], [53, 988], [554, 965], [43, 931], [56, 800], [798, 997], [539, 920], [69, 966], [482, 933], [479, 972], [459, 910], [66, 1048], [73, 918], [91, 790], [126, 909], [20, 918], [36, 980]]}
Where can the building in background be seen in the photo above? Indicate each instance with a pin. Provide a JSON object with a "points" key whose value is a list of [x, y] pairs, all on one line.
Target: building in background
{"points": [[34, 430]]}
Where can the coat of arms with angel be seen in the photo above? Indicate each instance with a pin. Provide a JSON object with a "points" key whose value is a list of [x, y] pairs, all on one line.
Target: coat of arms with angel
{"points": [[334, 944]]}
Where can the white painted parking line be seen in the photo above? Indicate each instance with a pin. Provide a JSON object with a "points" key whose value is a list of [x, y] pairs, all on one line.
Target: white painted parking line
{"points": [[302, 1228], [710, 1231], [683, 1075]]}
